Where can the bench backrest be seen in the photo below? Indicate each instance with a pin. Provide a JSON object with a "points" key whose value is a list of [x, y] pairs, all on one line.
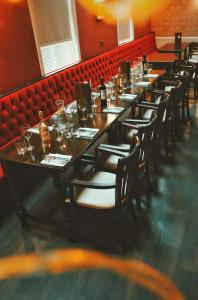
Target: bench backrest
{"points": [[22, 106]]}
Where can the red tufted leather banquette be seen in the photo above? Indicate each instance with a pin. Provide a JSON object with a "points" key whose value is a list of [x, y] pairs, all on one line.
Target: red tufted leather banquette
{"points": [[23, 105]]}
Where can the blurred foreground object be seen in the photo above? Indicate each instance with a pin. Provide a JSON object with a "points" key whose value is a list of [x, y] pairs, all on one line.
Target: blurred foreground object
{"points": [[112, 10], [59, 261]]}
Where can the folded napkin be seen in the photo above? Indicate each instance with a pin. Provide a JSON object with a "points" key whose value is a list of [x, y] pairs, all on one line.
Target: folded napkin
{"points": [[55, 159], [87, 133], [151, 75], [36, 129], [127, 97], [195, 60], [143, 83], [113, 110]]}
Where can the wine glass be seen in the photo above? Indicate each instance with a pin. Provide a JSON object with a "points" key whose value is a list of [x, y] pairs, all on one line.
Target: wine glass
{"points": [[69, 111], [94, 96], [82, 105], [59, 128], [27, 134]]}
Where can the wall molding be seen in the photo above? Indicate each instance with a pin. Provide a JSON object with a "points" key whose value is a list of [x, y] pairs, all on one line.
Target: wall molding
{"points": [[162, 40]]}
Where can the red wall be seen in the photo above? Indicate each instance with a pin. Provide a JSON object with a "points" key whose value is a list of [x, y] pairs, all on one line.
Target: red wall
{"points": [[18, 57], [142, 28], [92, 31], [19, 62], [178, 16]]}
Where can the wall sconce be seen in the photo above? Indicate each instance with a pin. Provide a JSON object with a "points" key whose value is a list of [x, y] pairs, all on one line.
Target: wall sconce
{"points": [[99, 18]]}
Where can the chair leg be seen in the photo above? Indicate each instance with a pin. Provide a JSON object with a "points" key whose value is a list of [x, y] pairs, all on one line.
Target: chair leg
{"points": [[195, 88], [74, 225], [148, 179], [131, 208], [188, 108], [172, 137], [121, 232], [183, 113], [122, 239], [155, 158], [137, 195], [166, 148]]}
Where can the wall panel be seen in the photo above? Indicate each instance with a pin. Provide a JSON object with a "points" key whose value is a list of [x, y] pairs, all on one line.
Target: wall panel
{"points": [[18, 57], [142, 28], [91, 32], [19, 62], [179, 15]]}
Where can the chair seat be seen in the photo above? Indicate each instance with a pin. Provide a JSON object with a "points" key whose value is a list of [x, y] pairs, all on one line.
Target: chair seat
{"points": [[100, 198], [169, 88], [110, 163], [194, 59], [148, 114]]}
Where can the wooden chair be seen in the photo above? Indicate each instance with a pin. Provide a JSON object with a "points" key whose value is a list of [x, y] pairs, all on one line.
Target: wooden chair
{"points": [[187, 77], [146, 134], [176, 85], [104, 196]]}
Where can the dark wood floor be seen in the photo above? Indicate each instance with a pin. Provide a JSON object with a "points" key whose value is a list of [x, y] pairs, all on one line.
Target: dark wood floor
{"points": [[166, 238]]}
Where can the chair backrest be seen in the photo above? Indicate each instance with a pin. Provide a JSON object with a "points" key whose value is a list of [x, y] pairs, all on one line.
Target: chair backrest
{"points": [[176, 90], [187, 70], [185, 78], [161, 111], [125, 176], [146, 134]]}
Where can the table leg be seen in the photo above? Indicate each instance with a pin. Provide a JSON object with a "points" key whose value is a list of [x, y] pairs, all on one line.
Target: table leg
{"points": [[61, 187], [185, 54], [20, 209]]}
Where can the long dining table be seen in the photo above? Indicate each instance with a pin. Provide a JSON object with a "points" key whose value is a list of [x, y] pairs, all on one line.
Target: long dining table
{"points": [[30, 163], [162, 60], [176, 49]]}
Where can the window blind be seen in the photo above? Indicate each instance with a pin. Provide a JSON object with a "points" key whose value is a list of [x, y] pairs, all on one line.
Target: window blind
{"points": [[50, 19]]}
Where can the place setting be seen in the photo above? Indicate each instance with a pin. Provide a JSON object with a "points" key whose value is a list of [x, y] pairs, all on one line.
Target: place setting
{"points": [[151, 75], [86, 133], [113, 109], [127, 97], [143, 83], [56, 159]]}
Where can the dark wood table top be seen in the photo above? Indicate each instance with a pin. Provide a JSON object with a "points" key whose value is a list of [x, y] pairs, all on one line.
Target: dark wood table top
{"points": [[161, 57], [73, 146], [172, 48]]}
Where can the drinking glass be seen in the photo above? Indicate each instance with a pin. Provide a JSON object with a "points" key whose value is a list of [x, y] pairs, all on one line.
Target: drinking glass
{"points": [[112, 87], [108, 91], [68, 131], [82, 105], [21, 146], [27, 135], [69, 114], [94, 96], [59, 128]]}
